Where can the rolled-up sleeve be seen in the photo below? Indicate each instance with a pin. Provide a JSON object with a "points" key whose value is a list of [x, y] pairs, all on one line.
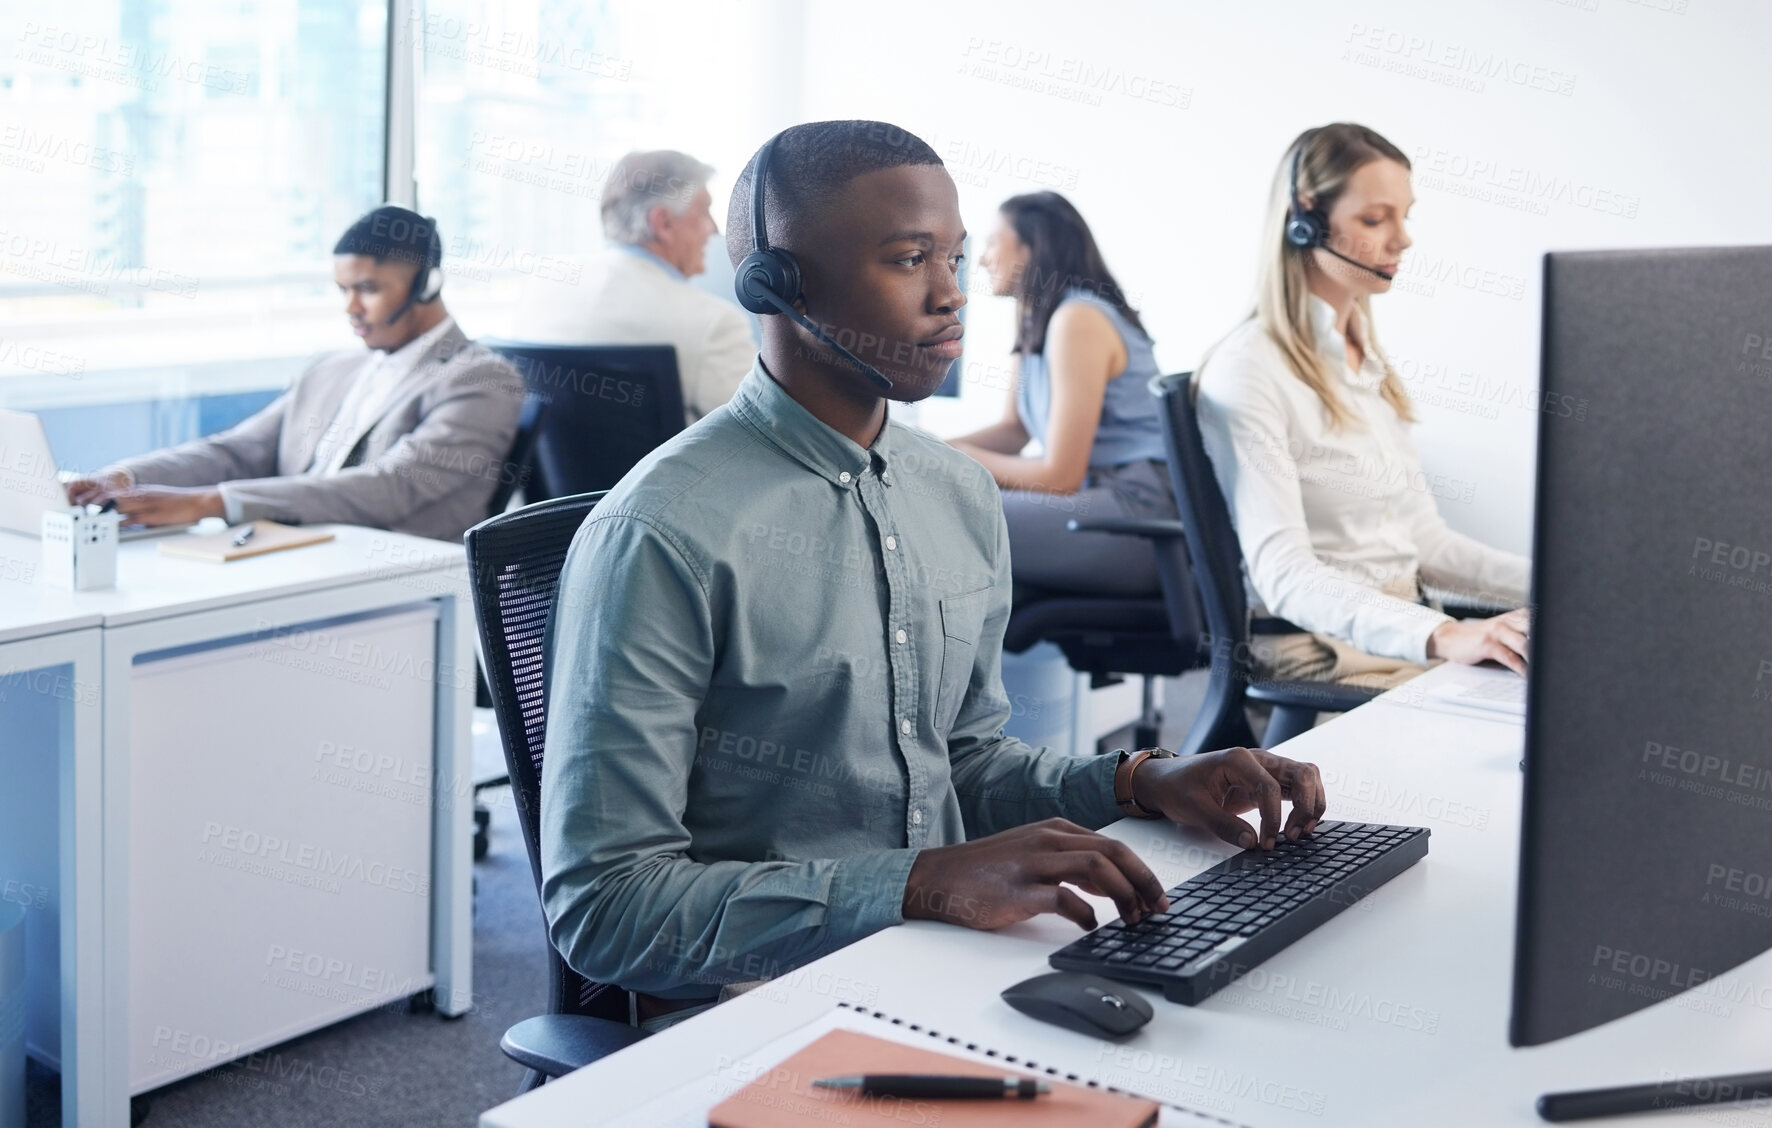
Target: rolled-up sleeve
{"points": [[631, 657], [1003, 782]]}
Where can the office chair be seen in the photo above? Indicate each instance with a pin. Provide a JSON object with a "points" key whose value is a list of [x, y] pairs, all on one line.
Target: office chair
{"points": [[515, 560], [1110, 638], [513, 472], [519, 463], [608, 406], [1217, 560]]}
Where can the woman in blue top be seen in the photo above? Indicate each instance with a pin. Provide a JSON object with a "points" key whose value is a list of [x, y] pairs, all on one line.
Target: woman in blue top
{"points": [[1080, 388]]}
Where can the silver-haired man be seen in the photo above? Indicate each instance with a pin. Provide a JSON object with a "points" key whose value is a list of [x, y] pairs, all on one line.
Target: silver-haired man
{"points": [[657, 218]]}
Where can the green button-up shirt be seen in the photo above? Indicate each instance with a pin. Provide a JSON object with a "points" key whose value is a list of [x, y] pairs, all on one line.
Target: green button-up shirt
{"points": [[774, 677]]}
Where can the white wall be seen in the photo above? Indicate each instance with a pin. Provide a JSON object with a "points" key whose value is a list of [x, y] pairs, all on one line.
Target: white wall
{"points": [[1659, 141]]}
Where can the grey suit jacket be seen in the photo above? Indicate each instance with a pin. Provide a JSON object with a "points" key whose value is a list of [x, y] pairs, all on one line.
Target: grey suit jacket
{"points": [[427, 466]]}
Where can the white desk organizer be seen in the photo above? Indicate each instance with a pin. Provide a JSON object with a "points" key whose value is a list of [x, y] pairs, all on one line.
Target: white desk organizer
{"points": [[80, 548]]}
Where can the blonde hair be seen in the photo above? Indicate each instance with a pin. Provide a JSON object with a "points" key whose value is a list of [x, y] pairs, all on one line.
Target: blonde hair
{"points": [[1326, 157]]}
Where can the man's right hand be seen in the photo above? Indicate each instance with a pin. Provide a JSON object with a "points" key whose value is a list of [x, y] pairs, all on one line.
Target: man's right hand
{"points": [[1017, 874], [84, 490], [1470, 641]]}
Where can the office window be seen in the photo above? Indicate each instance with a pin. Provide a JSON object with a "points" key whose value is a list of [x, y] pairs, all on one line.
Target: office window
{"points": [[523, 109], [175, 173]]}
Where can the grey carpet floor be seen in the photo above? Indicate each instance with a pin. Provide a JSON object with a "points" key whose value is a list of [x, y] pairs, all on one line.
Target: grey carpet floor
{"points": [[391, 1069]]}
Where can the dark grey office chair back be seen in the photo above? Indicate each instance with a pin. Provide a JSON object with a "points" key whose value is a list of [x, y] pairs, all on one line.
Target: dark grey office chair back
{"points": [[608, 406], [1217, 559], [519, 463], [515, 561], [1211, 537]]}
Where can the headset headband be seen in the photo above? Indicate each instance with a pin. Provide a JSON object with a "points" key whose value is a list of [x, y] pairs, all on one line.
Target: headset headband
{"points": [[1293, 203], [759, 232]]}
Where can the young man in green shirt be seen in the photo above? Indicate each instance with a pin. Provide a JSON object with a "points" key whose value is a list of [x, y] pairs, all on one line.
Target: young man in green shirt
{"points": [[776, 709]]}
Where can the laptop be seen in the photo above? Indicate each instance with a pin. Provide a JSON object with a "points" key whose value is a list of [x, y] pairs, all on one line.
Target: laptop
{"points": [[30, 484]]}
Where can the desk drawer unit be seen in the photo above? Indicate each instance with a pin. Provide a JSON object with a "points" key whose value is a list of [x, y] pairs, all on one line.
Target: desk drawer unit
{"points": [[280, 806]]}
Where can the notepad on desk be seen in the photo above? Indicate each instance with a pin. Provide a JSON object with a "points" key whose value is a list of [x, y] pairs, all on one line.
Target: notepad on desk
{"points": [[783, 1097], [1480, 690], [267, 536]]}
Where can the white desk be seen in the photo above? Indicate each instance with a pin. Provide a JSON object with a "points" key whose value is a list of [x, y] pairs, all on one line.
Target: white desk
{"points": [[72, 656], [1393, 1013]]}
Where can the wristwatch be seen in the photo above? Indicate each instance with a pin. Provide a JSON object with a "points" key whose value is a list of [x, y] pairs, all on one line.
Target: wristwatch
{"points": [[1123, 780]]}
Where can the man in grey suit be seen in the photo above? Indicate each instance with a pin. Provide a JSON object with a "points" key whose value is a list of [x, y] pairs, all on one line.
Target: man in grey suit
{"points": [[411, 438]]}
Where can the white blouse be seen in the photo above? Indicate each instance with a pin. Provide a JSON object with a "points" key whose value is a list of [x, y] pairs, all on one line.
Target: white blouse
{"points": [[1338, 527]]}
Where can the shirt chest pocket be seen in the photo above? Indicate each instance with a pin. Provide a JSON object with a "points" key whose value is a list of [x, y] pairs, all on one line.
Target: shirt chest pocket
{"points": [[962, 622]]}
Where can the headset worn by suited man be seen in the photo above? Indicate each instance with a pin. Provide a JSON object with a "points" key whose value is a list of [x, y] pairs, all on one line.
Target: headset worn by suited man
{"points": [[412, 439]]}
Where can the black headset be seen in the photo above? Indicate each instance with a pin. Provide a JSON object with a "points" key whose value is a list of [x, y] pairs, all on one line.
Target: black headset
{"points": [[1309, 227], [427, 284], [768, 280]]}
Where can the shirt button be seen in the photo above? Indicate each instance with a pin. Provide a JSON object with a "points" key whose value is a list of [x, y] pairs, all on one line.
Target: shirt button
{"points": [[843, 477], [901, 636], [886, 476], [891, 543], [916, 818], [904, 727]]}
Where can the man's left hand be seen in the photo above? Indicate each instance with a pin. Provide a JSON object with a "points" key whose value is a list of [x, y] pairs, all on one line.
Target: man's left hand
{"points": [[1212, 789], [166, 505]]}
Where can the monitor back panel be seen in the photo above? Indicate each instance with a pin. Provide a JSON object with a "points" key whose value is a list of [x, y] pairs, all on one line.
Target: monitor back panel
{"points": [[1646, 863]]}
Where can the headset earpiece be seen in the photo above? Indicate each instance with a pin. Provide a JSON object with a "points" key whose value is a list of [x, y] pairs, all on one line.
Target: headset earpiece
{"points": [[432, 278], [1305, 227], [433, 284], [1304, 230], [770, 270]]}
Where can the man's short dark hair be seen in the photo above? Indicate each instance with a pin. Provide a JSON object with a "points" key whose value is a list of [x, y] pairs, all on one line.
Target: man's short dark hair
{"points": [[393, 233], [810, 165]]}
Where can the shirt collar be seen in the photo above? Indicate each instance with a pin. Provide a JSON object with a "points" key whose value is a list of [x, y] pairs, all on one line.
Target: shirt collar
{"points": [[768, 408], [1333, 347], [409, 353], [641, 252]]}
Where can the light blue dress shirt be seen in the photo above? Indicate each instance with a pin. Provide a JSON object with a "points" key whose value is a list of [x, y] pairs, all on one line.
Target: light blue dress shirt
{"points": [[775, 676], [641, 252]]}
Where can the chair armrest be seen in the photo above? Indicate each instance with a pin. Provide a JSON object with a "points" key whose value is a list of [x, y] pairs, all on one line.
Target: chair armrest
{"points": [[1473, 610], [1126, 527], [556, 1044], [1324, 697]]}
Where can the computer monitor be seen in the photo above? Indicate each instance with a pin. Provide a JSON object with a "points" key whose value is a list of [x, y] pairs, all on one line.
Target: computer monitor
{"points": [[1646, 841]]}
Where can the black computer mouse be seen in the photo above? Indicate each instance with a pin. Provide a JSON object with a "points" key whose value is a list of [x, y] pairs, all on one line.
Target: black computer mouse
{"points": [[1087, 1004]]}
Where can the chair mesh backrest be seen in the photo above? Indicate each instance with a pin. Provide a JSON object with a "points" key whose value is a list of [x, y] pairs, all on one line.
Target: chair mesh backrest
{"points": [[1211, 537], [515, 561], [608, 406]]}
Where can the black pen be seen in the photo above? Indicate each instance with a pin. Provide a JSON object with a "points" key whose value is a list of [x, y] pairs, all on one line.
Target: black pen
{"points": [[1751, 1090], [925, 1086], [244, 535]]}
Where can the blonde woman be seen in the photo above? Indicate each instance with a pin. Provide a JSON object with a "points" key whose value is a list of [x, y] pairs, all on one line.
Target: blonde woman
{"points": [[1307, 426]]}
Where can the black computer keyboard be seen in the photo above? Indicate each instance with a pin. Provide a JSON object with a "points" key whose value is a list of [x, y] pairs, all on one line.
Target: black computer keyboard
{"points": [[1224, 921]]}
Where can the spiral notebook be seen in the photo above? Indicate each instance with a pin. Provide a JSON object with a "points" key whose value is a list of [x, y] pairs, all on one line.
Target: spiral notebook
{"points": [[687, 1105], [783, 1096]]}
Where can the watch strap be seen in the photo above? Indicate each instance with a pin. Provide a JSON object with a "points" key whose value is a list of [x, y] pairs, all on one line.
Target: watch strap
{"points": [[1123, 781]]}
